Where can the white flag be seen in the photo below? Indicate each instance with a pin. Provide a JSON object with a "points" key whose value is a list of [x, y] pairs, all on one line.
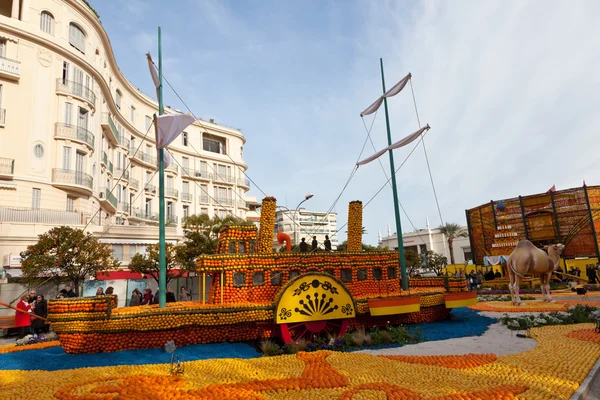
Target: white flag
{"points": [[153, 71], [397, 88], [168, 127], [401, 143]]}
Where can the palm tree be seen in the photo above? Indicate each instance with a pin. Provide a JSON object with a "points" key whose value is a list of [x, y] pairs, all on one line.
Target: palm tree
{"points": [[452, 231]]}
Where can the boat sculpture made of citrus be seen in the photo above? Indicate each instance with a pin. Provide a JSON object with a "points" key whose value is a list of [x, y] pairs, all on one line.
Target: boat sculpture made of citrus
{"points": [[256, 293]]}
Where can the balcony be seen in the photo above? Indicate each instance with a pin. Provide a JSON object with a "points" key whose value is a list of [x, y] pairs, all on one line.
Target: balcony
{"points": [[172, 168], [112, 133], [170, 220], [195, 174], [2, 117], [204, 199], [187, 197], [122, 173], [134, 184], [71, 180], [144, 215], [76, 89], [39, 216], [172, 193], [150, 188], [224, 178], [242, 204], [223, 202], [7, 168], [143, 158], [74, 133], [107, 164], [9, 69], [244, 182], [123, 208], [107, 199]]}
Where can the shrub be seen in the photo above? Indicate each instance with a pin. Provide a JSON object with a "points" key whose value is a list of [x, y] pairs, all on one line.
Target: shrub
{"points": [[269, 348]]}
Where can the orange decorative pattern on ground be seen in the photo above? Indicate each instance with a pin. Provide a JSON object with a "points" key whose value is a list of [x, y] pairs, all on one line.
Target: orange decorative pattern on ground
{"points": [[552, 370], [589, 335], [12, 348], [530, 306]]}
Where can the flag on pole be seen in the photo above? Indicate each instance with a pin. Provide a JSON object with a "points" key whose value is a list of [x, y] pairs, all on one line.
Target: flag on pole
{"points": [[401, 143], [153, 73], [168, 127], [552, 189], [397, 88]]}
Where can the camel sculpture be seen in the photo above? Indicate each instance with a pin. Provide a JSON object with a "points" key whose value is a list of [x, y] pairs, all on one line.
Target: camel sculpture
{"points": [[526, 259]]}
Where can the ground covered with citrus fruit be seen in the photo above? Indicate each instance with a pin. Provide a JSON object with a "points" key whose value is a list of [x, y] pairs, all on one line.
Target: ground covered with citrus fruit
{"points": [[554, 369], [530, 306]]}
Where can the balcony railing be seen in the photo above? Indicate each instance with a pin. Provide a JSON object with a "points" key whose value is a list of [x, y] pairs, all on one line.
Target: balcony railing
{"points": [[105, 194], [223, 178], [244, 182], [72, 177], [134, 184], [150, 188], [2, 116], [123, 207], [194, 173], [186, 196], [74, 132], [76, 89], [122, 173], [170, 192], [171, 220], [172, 167], [110, 167], [7, 166], [142, 214], [204, 199], [223, 202], [39, 216], [121, 140], [147, 158], [10, 66]]}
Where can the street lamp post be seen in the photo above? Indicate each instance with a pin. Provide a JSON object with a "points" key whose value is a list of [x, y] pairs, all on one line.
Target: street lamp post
{"points": [[307, 197]]}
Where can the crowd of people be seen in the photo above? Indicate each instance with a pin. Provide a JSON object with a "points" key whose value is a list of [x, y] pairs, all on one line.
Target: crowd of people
{"points": [[30, 306], [314, 244]]}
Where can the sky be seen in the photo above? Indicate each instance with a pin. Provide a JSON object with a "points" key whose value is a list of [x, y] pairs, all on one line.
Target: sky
{"points": [[511, 91]]}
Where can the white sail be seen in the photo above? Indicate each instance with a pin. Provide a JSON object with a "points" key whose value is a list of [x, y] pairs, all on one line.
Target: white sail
{"points": [[401, 143], [397, 88]]}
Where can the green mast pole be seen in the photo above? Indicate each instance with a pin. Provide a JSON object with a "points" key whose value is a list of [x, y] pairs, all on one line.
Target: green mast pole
{"points": [[401, 262], [162, 277]]}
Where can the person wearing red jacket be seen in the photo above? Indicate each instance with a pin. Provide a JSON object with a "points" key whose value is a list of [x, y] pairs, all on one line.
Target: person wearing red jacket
{"points": [[23, 320], [147, 300]]}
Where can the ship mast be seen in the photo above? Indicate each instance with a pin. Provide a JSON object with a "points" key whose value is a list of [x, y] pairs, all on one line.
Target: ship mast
{"points": [[162, 276]]}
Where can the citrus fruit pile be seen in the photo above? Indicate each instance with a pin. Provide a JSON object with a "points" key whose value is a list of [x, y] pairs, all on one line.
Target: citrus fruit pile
{"points": [[530, 306], [552, 370], [267, 219], [355, 226]]}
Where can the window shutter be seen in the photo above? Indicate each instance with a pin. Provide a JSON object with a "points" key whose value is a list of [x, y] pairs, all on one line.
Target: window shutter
{"points": [[66, 157]]}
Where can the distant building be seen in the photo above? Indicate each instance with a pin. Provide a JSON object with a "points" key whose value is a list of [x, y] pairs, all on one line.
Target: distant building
{"points": [[430, 239], [253, 213], [306, 224]]}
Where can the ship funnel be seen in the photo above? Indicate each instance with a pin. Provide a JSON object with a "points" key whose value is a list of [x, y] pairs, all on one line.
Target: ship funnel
{"points": [[267, 225], [355, 226]]}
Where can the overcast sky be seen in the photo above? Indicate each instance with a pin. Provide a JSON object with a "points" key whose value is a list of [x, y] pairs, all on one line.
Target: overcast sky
{"points": [[511, 90]]}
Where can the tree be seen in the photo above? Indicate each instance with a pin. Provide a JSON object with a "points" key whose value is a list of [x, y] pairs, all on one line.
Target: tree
{"points": [[149, 263], [452, 231], [434, 262], [65, 252], [365, 247], [412, 260]]}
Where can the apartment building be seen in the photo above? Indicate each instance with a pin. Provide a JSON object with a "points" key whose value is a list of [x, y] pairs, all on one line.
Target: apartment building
{"points": [[303, 223], [77, 143]]}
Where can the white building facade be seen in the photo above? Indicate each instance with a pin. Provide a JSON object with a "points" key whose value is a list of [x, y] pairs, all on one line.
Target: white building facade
{"points": [[303, 223], [430, 239], [77, 143]]}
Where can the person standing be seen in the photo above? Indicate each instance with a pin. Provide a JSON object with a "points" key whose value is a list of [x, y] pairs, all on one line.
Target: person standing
{"points": [[170, 296], [184, 295], [41, 310], [327, 243], [70, 291], [303, 246], [136, 298], [32, 296], [315, 244], [100, 291], [22, 318], [147, 300]]}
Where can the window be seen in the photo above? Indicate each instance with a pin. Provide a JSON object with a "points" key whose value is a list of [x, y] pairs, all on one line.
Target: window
{"points": [[185, 163], [232, 246], [377, 274], [36, 198], [118, 251], [423, 248], [203, 165], [66, 157], [186, 212], [2, 48], [118, 99], [239, 279], [241, 247], [276, 278], [294, 274], [47, 22], [186, 188], [184, 137], [258, 278], [169, 209], [204, 211], [65, 73], [391, 272], [38, 150], [214, 146], [68, 113], [346, 275], [132, 114], [70, 204], [148, 207], [329, 271], [76, 37], [148, 177], [362, 274], [148, 122]]}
